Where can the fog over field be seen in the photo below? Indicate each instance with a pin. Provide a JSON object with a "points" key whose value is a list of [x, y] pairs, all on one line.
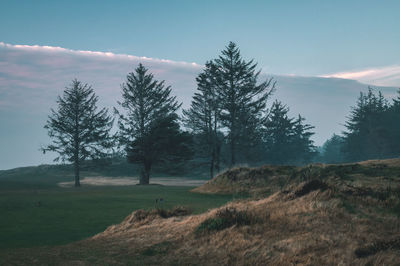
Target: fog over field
{"points": [[31, 77]]}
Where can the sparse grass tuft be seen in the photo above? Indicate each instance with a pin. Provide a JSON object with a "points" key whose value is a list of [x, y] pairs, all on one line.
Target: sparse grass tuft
{"points": [[225, 218], [157, 249], [176, 211], [376, 247]]}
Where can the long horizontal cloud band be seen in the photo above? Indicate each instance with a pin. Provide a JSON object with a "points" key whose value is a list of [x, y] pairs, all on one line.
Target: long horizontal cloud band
{"points": [[383, 76], [31, 77]]}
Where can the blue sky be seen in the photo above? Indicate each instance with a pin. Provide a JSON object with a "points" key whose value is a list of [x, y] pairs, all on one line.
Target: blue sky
{"points": [[285, 37], [322, 54]]}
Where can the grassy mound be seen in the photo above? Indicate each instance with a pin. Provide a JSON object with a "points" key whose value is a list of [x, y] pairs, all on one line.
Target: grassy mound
{"points": [[377, 175], [323, 215]]}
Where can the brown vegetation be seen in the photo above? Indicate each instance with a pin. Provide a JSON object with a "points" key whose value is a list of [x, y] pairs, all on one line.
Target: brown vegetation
{"points": [[324, 215]]}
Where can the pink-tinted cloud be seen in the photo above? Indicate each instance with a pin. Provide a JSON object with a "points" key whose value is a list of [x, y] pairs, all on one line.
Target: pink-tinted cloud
{"points": [[382, 76]]}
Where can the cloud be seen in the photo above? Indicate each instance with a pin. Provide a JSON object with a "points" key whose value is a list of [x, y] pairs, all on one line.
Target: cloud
{"points": [[32, 76], [383, 76], [103, 55]]}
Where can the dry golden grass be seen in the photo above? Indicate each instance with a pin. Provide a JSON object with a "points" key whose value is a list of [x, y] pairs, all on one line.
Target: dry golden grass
{"points": [[316, 219]]}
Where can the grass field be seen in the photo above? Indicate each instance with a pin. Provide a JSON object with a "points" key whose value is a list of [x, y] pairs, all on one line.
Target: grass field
{"points": [[69, 214]]}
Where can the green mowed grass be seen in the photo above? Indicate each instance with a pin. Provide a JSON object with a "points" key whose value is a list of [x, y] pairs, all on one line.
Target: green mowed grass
{"points": [[70, 214]]}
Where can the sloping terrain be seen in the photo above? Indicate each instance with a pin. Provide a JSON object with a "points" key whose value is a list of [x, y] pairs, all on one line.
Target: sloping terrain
{"points": [[323, 215], [261, 181]]}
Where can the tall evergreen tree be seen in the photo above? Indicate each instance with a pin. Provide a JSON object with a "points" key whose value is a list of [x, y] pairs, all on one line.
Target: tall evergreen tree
{"points": [[366, 136], [242, 100], [149, 129], [203, 117], [303, 147], [287, 139], [278, 134], [393, 123], [78, 130]]}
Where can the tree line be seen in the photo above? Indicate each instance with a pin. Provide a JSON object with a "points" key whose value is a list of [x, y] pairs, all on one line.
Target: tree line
{"points": [[229, 122], [372, 131]]}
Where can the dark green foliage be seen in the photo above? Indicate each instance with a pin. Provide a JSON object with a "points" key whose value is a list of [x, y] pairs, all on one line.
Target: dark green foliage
{"points": [[287, 139], [242, 101], [230, 121], [369, 128], [393, 122], [332, 150], [150, 129], [203, 118], [225, 218], [372, 131], [78, 130]]}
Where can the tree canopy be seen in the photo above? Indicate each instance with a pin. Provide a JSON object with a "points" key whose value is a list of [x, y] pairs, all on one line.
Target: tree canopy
{"points": [[149, 128], [78, 130]]}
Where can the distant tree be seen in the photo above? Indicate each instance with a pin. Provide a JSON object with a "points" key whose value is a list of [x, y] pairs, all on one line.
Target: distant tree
{"points": [[78, 130], [278, 134], [203, 118], [287, 139], [149, 130], [303, 147], [393, 123], [242, 101], [332, 150], [396, 101], [367, 131]]}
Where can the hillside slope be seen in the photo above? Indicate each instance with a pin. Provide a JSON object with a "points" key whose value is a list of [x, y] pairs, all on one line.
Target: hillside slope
{"points": [[261, 181], [323, 216]]}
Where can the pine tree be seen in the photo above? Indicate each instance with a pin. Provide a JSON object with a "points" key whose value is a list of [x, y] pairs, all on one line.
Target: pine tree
{"points": [[287, 139], [78, 130], [332, 150], [203, 117], [149, 129], [393, 123], [278, 134], [303, 147], [367, 133], [242, 100]]}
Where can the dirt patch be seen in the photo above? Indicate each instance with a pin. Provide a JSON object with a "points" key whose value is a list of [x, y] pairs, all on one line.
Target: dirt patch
{"points": [[129, 181]]}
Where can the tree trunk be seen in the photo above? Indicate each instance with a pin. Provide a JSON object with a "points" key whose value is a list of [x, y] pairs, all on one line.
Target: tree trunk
{"points": [[212, 165], [217, 157], [217, 144], [233, 151], [76, 166], [145, 174]]}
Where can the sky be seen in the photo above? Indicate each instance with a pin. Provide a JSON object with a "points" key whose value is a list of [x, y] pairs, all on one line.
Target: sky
{"points": [[285, 37], [329, 50]]}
